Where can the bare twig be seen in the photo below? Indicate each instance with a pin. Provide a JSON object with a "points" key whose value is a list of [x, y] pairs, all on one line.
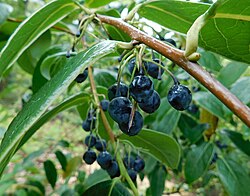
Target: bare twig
{"points": [[177, 56]]}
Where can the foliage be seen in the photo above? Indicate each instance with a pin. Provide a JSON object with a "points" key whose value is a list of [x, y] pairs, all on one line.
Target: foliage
{"points": [[45, 46]]}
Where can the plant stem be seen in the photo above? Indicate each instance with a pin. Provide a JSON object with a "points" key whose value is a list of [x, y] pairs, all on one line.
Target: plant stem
{"points": [[110, 133], [194, 69]]}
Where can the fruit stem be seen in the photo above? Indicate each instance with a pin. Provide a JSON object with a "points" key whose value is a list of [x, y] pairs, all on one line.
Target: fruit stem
{"points": [[110, 133]]}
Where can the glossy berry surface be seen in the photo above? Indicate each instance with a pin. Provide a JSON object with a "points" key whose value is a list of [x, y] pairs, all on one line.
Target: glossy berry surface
{"points": [[136, 127], [132, 174], [89, 157], [90, 141], [179, 97], [128, 162], [101, 145], [120, 109], [131, 66], [121, 92], [139, 164], [141, 88], [151, 104], [82, 77], [113, 170], [104, 104], [104, 159], [154, 70]]}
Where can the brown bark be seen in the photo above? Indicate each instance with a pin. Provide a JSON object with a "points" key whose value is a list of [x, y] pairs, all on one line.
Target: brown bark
{"points": [[196, 71]]}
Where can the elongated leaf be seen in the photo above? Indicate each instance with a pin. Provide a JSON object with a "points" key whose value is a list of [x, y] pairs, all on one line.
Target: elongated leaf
{"points": [[160, 145], [230, 25], [239, 141], [32, 28], [198, 160], [96, 3], [241, 89], [234, 178], [107, 188], [72, 166], [38, 104], [5, 11], [62, 159], [51, 173]]}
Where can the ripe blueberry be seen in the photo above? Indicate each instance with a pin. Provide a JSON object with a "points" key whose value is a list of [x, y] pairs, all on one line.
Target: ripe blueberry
{"points": [[151, 104], [90, 141], [89, 157], [121, 92], [120, 109], [104, 159], [131, 66], [136, 127], [113, 170], [139, 164], [82, 77], [100, 145], [179, 97], [104, 104], [132, 174], [128, 162], [154, 70], [141, 88]]}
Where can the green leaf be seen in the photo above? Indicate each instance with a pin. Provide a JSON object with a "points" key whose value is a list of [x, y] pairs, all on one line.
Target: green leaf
{"points": [[40, 101], [51, 173], [212, 104], [5, 11], [96, 3], [234, 70], [117, 34], [161, 146], [233, 176], [157, 180], [31, 29], [190, 129], [241, 89], [103, 78], [62, 159], [210, 61], [109, 187], [239, 141], [198, 160], [72, 166]]}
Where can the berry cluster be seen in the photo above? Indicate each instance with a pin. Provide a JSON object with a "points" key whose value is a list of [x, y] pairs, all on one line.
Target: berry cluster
{"points": [[89, 123]]}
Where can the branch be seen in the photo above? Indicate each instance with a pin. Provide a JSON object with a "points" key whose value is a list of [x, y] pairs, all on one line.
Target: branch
{"points": [[177, 56]]}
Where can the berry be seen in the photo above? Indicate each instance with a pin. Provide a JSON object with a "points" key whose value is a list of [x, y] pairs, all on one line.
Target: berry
{"points": [[89, 125], [214, 159], [152, 104], [171, 41], [104, 159], [128, 162], [141, 88], [154, 70], [104, 104], [120, 109], [179, 97], [68, 54], [220, 145], [90, 140], [132, 174], [113, 170], [100, 145], [139, 164], [122, 91], [89, 157], [82, 77], [131, 66], [136, 127]]}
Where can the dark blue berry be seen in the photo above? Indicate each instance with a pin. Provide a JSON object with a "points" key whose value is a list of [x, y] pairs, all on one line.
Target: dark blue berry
{"points": [[104, 159], [120, 109], [131, 66], [121, 92], [154, 70], [113, 170], [90, 140], [137, 124], [104, 104], [82, 77], [141, 88], [128, 162], [89, 125], [220, 145], [152, 104], [89, 157], [139, 164], [214, 159], [132, 174], [100, 145], [179, 97]]}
